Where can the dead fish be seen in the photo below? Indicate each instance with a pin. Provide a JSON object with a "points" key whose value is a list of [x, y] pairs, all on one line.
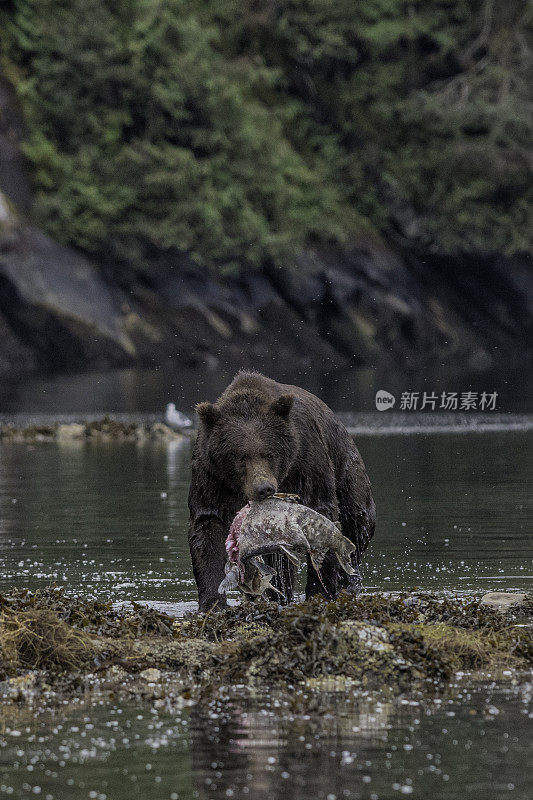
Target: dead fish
{"points": [[275, 525], [280, 524]]}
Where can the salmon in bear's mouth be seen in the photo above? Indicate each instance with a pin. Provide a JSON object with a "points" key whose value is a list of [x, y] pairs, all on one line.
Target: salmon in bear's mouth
{"points": [[232, 540], [252, 578], [280, 524]]}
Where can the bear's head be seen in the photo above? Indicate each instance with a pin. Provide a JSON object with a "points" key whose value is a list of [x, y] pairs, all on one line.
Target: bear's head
{"points": [[249, 449]]}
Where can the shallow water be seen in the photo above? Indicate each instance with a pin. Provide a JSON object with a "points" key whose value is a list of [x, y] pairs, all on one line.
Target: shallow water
{"points": [[455, 512], [474, 744], [109, 520]]}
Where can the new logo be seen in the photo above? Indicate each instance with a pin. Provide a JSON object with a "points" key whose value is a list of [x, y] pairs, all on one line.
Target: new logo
{"points": [[384, 400]]}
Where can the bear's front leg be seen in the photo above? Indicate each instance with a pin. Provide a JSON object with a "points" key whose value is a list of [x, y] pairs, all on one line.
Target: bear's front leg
{"points": [[207, 536]]}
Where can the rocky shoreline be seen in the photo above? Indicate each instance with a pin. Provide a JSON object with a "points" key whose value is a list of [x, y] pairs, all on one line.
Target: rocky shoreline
{"points": [[106, 429], [56, 649], [373, 303]]}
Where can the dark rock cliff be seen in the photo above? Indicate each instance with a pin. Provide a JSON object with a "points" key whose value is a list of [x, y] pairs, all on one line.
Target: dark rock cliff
{"points": [[360, 306]]}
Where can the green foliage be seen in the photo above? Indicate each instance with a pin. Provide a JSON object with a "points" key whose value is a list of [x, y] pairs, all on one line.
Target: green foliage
{"points": [[241, 130], [430, 104]]}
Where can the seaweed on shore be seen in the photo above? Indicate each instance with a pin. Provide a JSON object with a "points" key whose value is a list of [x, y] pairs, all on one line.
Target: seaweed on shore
{"points": [[93, 616], [376, 640], [378, 609], [39, 639], [385, 642]]}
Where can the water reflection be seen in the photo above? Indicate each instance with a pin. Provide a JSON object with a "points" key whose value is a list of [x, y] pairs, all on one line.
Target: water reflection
{"points": [[469, 745], [472, 743], [268, 751]]}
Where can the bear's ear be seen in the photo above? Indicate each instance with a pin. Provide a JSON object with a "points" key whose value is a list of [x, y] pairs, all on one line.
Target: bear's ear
{"points": [[282, 406], [208, 414]]}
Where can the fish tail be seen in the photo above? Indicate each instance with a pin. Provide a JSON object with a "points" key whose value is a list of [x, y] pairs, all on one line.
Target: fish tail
{"points": [[344, 557]]}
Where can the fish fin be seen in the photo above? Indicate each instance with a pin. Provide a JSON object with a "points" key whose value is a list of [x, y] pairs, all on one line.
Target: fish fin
{"points": [[247, 591], [228, 584], [287, 496], [275, 589], [252, 586], [261, 567], [290, 555], [258, 590]]}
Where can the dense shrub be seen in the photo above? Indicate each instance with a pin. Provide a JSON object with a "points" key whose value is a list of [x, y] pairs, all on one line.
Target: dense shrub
{"points": [[241, 130]]}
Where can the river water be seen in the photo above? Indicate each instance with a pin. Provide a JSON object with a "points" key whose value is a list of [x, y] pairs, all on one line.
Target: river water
{"points": [[455, 512]]}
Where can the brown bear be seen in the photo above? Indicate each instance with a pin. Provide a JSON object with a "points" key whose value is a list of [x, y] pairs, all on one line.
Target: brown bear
{"points": [[261, 437]]}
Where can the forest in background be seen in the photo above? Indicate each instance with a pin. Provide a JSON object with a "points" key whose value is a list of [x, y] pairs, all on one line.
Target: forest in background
{"points": [[242, 131]]}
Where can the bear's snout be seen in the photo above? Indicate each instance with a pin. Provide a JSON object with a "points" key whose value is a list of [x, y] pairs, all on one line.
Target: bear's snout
{"points": [[264, 490], [259, 481]]}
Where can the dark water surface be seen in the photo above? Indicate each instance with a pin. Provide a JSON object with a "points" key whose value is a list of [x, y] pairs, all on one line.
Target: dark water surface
{"points": [[474, 744], [352, 389], [455, 512]]}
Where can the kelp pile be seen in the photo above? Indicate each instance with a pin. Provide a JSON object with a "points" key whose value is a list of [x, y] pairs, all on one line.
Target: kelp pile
{"points": [[105, 429], [378, 642], [92, 616], [373, 639], [39, 639]]}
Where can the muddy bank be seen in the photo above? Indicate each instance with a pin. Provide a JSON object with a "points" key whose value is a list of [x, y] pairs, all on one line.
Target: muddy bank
{"points": [[105, 429], [55, 649]]}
